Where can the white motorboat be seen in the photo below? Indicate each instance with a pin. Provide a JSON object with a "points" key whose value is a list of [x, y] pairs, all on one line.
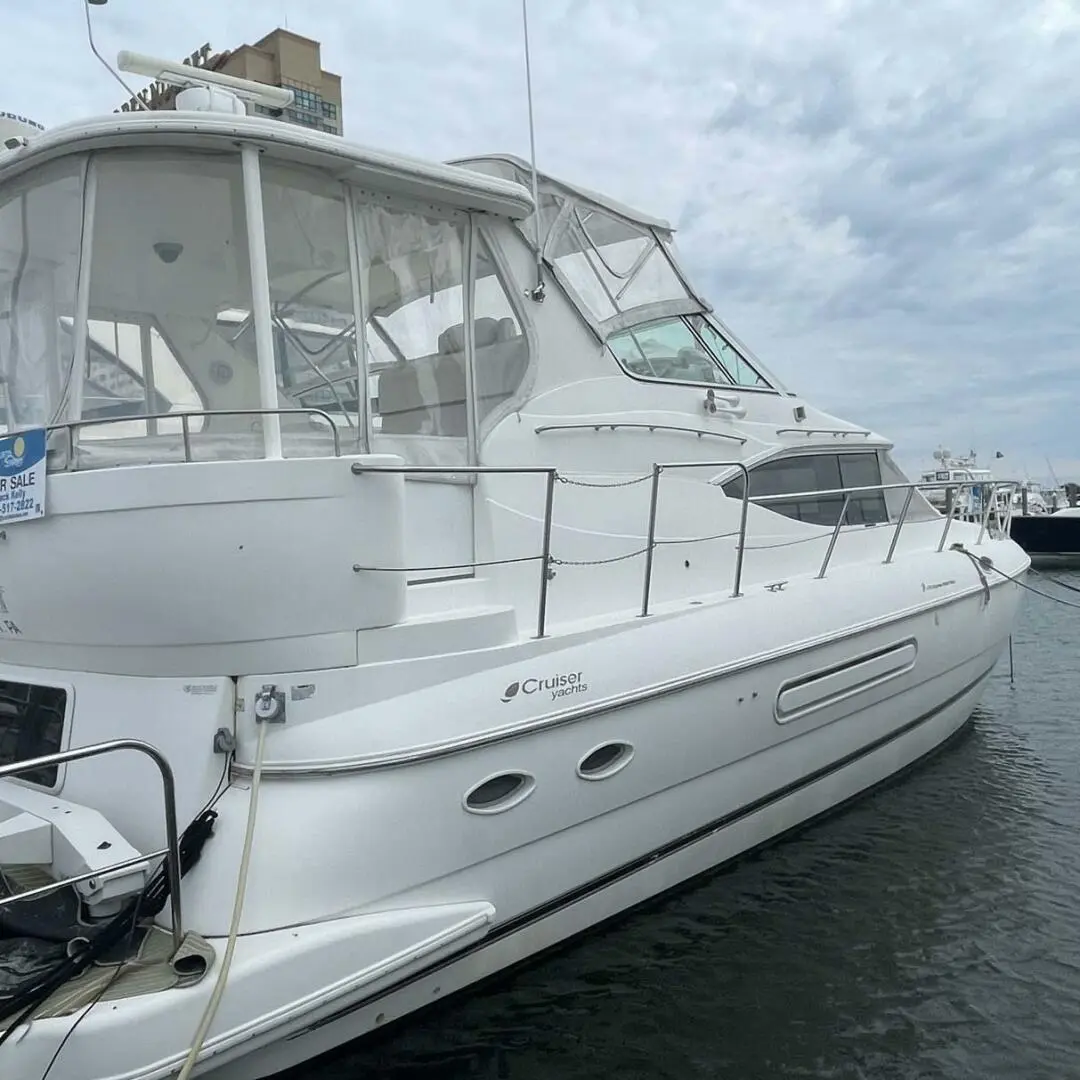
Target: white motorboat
{"points": [[967, 490], [418, 567]]}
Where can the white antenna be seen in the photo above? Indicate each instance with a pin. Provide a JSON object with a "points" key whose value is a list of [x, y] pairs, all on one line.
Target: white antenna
{"points": [[185, 75], [105, 63], [537, 293]]}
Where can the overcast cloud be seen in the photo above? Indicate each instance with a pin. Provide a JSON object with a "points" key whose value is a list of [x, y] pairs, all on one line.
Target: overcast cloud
{"points": [[879, 196]]}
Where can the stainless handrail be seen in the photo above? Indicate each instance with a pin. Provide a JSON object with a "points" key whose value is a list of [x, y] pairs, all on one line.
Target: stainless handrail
{"points": [[650, 545], [359, 469], [824, 431], [172, 838], [594, 426], [72, 427]]}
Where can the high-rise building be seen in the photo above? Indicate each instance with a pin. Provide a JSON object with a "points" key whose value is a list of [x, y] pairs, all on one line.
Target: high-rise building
{"points": [[281, 58]]}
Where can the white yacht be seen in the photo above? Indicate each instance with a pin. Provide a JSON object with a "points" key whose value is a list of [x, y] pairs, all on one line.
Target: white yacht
{"points": [[964, 489], [400, 577]]}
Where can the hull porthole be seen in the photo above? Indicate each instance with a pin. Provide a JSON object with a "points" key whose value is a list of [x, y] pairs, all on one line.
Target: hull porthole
{"points": [[605, 760], [498, 793]]}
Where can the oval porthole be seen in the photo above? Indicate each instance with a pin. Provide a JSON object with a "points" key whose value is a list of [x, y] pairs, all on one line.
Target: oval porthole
{"points": [[498, 793], [605, 760]]}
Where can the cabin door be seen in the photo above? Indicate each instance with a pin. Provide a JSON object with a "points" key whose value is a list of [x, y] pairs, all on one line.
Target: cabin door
{"points": [[414, 274]]}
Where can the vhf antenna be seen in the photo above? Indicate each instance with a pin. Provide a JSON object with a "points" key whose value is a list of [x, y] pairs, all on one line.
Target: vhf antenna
{"points": [[105, 63], [537, 293]]}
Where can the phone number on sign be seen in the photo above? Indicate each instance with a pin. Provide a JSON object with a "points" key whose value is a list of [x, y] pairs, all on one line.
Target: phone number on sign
{"points": [[22, 504]]}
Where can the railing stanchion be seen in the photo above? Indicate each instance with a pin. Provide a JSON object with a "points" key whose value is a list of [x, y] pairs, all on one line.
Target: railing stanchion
{"points": [[991, 503], [835, 536], [650, 542], [741, 550], [187, 436], [950, 507], [545, 557], [900, 524]]}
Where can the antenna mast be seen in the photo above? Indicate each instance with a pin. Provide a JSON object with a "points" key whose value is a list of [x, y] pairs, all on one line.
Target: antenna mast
{"points": [[105, 63], [537, 293]]}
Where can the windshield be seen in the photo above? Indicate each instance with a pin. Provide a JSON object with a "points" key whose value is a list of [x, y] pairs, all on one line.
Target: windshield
{"points": [[685, 349], [40, 241]]}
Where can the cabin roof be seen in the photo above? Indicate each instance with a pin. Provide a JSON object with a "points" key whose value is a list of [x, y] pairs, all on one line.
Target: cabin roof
{"points": [[376, 169], [546, 180]]}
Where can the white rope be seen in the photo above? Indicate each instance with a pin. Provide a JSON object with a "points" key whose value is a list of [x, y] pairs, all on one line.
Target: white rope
{"points": [[238, 908]]}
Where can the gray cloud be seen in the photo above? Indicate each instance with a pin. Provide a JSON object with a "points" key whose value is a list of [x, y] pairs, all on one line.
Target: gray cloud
{"points": [[880, 196]]}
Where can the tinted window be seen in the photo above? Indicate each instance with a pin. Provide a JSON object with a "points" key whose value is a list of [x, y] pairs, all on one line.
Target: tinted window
{"points": [[818, 472], [31, 725]]}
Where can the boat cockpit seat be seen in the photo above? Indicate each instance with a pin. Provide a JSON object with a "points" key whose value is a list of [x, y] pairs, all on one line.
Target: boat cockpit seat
{"points": [[450, 378], [502, 356], [401, 404]]}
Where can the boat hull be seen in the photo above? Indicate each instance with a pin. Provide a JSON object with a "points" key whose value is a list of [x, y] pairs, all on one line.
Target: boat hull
{"points": [[659, 872], [296, 993]]}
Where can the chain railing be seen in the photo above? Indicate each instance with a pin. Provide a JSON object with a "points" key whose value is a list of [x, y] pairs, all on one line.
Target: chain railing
{"points": [[72, 427], [171, 851]]}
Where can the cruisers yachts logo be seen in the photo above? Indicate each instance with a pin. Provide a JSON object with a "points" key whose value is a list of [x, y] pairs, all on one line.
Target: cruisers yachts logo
{"points": [[561, 685]]}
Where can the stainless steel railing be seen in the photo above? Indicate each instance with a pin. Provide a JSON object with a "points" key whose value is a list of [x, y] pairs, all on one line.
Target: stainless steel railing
{"points": [[171, 851], [650, 547], [619, 425], [546, 559], [73, 427]]}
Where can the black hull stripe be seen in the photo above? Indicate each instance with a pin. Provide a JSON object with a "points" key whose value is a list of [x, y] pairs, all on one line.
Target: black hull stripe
{"points": [[620, 873]]}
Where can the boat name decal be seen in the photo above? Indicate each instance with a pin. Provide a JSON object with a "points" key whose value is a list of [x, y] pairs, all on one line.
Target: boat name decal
{"points": [[561, 685], [937, 585]]}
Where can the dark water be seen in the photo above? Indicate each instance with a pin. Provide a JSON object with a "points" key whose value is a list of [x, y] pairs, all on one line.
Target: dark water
{"points": [[932, 930]]}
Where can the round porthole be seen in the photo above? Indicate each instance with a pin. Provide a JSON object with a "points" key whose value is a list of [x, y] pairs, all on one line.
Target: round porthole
{"points": [[499, 793], [605, 760]]}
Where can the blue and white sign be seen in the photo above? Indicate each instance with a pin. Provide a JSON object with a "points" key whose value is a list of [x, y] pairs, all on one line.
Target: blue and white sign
{"points": [[22, 476]]}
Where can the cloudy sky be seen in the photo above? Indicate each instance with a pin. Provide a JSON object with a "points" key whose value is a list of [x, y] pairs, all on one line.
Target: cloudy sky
{"points": [[880, 196]]}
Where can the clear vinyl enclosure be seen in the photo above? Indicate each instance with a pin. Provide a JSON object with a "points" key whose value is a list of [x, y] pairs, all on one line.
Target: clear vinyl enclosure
{"points": [[126, 287]]}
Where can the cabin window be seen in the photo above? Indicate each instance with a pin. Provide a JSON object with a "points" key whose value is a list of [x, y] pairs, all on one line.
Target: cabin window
{"points": [[678, 349], [804, 474], [501, 347], [40, 243], [311, 293], [31, 725], [412, 279]]}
